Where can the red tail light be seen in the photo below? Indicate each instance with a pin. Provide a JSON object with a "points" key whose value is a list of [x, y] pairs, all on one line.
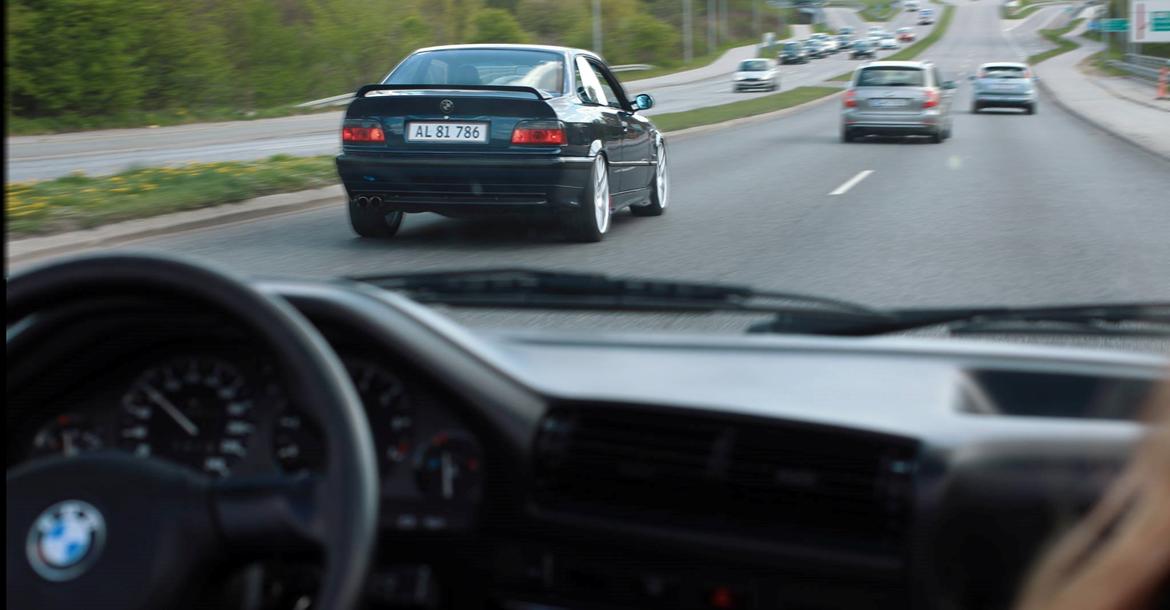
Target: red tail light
{"points": [[931, 99], [362, 134], [539, 133], [850, 99]]}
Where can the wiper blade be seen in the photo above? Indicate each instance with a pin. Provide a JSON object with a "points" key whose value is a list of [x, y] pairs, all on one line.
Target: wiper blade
{"points": [[557, 290], [1140, 319]]}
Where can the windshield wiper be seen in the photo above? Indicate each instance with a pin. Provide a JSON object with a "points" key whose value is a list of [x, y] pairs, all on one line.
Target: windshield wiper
{"points": [[555, 290], [792, 313], [1138, 319]]}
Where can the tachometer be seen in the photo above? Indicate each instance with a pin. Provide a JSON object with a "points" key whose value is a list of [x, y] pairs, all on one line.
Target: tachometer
{"points": [[196, 411], [389, 409], [67, 434]]}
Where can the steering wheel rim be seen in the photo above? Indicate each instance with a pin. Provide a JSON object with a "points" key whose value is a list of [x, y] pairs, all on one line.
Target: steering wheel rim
{"points": [[337, 511]]}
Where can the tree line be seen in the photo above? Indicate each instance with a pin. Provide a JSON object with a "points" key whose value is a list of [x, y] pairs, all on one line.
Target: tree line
{"points": [[113, 57]]}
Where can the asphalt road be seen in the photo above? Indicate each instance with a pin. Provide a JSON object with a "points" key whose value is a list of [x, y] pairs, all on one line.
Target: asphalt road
{"points": [[1015, 209], [111, 151]]}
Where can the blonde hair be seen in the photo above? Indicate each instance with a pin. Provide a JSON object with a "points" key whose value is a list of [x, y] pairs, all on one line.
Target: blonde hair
{"points": [[1118, 556]]}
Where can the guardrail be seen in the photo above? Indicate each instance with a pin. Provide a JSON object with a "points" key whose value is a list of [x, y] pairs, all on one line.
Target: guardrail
{"points": [[1144, 67]]}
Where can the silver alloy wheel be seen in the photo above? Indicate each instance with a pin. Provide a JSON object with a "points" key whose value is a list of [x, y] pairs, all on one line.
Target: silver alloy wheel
{"points": [[601, 195], [661, 180]]}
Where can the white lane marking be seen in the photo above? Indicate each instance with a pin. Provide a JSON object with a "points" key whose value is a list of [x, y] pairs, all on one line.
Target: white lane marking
{"points": [[844, 188]]}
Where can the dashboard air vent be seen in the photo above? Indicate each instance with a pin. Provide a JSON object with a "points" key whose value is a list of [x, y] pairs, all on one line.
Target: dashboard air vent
{"points": [[791, 484]]}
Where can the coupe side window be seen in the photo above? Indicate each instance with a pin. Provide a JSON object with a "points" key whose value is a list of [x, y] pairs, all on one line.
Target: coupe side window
{"points": [[588, 85]]}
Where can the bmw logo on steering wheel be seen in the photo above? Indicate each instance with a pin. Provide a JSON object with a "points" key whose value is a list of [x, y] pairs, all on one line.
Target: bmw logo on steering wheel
{"points": [[65, 540]]}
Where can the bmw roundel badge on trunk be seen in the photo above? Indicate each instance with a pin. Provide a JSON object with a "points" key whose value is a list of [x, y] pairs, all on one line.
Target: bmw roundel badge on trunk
{"points": [[446, 106], [65, 540]]}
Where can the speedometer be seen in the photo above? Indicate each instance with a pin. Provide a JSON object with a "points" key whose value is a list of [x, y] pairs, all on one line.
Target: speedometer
{"points": [[196, 411]]}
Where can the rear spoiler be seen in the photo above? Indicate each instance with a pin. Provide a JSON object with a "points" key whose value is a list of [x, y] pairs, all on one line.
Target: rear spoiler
{"points": [[512, 88]]}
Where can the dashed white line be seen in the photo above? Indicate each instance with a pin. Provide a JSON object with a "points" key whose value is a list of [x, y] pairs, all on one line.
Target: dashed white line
{"points": [[852, 182]]}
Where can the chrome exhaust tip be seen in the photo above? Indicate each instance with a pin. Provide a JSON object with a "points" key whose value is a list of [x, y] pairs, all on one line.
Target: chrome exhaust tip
{"points": [[362, 201], [376, 200]]}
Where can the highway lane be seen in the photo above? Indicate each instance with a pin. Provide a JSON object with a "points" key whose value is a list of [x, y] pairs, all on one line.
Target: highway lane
{"points": [[1015, 209], [111, 151]]}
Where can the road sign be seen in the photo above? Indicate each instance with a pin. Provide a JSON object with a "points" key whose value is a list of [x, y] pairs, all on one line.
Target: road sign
{"points": [[1151, 21], [1114, 25]]}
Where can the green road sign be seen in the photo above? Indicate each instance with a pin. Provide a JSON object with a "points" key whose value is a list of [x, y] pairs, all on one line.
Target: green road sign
{"points": [[1160, 21], [1115, 25]]}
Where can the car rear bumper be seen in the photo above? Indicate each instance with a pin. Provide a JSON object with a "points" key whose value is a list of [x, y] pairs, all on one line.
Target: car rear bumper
{"points": [[754, 84], [1006, 100], [461, 184], [892, 124]]}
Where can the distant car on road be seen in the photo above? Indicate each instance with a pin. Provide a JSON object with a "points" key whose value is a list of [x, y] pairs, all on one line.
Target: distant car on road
{"points": [[863, 49], [911, 5], [756, 73], [513, 130], [889, 42], [1004, 85], [898, 98], [846, 31], [814, 49], [844, 41], [926, 16], [793, 53], [827, 41], [906, 35]]}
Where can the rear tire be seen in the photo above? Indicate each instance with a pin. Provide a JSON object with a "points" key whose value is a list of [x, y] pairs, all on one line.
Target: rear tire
{"points": [[937, 136], [847, 135], [590, 222], [659, 188], [373, 222], [1031, 108], [975, 108]]}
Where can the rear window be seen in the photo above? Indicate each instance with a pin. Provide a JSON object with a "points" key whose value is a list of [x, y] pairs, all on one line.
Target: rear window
{"points": [[890, 76], [1003, 72], [753, 65], [792, 46], [538, 69]]}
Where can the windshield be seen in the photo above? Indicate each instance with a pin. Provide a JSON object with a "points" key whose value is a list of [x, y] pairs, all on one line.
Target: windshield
{"points": [[231, 131], [537, 69], [890, 77]]}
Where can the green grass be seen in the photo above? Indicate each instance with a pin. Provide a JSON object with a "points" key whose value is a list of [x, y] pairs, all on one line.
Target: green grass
{"points": [[79, 201], [1100, 62], [20, 126], [1056, 37], [675, 121], [1026, 8], [878, 10], [919, 47]]}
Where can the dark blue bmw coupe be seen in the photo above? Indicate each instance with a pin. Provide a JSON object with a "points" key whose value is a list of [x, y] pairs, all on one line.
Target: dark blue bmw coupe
{"points": [[501, 129]]}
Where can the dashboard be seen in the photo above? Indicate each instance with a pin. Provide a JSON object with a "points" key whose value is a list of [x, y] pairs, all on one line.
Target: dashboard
{"points": [[526, 469]]}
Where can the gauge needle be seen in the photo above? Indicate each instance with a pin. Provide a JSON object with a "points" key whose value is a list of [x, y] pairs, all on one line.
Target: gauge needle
{"points": [[448, 476], [171, 410]]}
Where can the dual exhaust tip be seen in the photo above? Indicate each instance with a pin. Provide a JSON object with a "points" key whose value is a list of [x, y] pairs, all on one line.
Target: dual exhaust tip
{"points": [[371, 200]]}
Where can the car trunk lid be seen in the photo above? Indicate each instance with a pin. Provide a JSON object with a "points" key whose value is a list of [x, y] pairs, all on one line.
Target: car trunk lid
{"points": [[443, 118]]}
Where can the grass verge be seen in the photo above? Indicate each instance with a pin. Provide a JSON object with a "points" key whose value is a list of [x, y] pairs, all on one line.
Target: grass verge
{"points": [[80, 202], [918, 48], [21, 126], [675, 121], [878, 10], [1099, 62], [1025, 9], [1056, 37]]}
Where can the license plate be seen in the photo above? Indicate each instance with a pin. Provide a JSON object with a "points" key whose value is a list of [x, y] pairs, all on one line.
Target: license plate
{"points": [[1004, 87], [887, 103], [446, 132]]}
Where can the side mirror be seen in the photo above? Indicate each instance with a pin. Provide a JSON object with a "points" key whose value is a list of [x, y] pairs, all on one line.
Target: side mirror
{"points": [[643, 101], [950, 85]]}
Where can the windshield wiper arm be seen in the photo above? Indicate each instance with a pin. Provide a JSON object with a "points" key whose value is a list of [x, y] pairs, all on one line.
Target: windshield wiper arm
{"points": [[1144, 319], [557, 290]]}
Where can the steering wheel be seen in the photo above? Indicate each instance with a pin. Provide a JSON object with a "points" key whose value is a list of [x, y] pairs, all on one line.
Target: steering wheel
{"points": [[109, 530]]}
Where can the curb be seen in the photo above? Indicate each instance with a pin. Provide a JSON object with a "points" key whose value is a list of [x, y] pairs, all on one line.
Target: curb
{"points": [[1111, 91], [755, 118], [1088, 120], [31, 248]]}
